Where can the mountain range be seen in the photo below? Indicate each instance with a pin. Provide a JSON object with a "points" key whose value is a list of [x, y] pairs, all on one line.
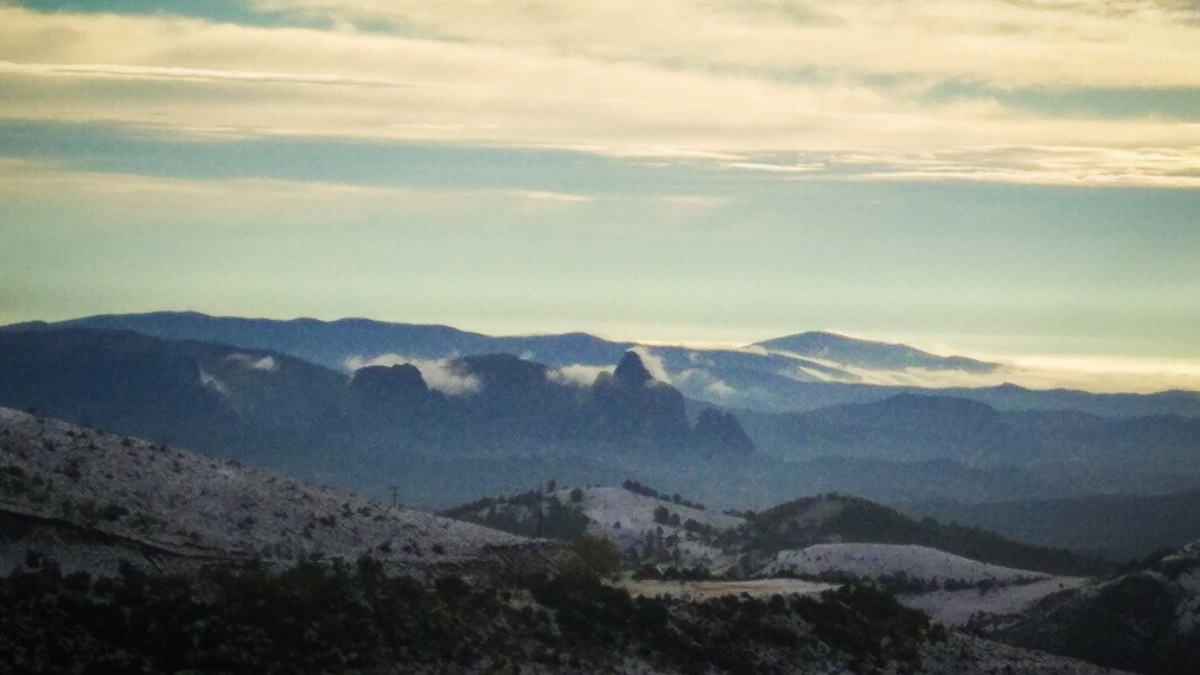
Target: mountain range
{"points": [[788, 374], [441, 430]]}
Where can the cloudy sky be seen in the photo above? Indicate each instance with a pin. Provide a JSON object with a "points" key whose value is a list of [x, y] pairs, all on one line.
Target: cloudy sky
{"points": [[991, 177]]}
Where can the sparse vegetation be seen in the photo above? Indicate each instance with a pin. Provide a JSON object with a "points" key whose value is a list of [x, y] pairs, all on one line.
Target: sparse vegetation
{"points": [[646, 491], [530, 514]]}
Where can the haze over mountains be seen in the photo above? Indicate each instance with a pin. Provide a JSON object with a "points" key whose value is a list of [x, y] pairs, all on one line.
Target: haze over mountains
{"points": [[447, 415]]}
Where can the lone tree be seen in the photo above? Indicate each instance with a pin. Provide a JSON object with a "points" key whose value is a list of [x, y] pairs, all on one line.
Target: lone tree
{"points": [[598, 557]]}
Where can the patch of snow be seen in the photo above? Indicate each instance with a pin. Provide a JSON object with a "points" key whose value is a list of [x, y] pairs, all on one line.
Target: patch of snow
{"points": [[704, 590]]}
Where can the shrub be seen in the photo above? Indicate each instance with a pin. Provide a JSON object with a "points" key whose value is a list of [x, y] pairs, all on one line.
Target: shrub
{"points": [[598, 556]]}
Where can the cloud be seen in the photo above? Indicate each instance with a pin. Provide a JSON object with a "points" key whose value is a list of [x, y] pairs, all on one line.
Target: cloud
{"points": [[440, 374], [654, 364], [164, 200], [209, 381], [578, 375], [265, 363], [845, 82], [1090, 41], [123, 72], [703, 384], [1094, 374]]}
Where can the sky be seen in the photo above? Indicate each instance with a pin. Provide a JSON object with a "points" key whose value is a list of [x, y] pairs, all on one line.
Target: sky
{"points": [[987, 177]]}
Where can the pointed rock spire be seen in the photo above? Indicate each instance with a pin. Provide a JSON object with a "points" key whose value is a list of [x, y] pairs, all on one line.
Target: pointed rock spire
{"points": [[631, 371]]}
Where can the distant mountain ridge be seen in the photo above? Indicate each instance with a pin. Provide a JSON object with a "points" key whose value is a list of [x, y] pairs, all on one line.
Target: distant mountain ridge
{"points": [[1116, 526], [869, 354], [789, 374], [379, 426]]}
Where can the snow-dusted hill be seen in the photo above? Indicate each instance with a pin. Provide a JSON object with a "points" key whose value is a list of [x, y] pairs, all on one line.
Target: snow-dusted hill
{"points": [[628, 519], [950, 588], [90, 498], [875, 561]]}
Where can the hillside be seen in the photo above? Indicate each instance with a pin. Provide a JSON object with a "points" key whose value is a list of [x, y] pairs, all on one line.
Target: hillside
{"points": [[649, 527], [804, 522], [875, 561], [1145, 620], [951, 589], [646, 527], [89, 499]]}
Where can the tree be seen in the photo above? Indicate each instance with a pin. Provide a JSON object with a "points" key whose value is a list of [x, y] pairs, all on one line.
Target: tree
{"points": [[598, 556], [661, 515]]}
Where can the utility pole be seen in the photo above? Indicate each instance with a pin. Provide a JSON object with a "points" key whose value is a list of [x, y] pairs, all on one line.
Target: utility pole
{"points": [[395, 489], [539, 511]]}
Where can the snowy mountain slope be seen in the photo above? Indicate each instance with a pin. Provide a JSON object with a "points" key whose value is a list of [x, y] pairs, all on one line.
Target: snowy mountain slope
{"points": [[133, 496], [874, 561]]}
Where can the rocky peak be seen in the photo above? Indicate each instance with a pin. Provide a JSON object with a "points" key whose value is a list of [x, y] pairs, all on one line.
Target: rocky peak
{"points": [[402, 381], [718, 431], [631, 371]]}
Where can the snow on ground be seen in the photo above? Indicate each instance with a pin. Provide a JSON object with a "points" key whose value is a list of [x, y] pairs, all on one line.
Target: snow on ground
{"points": [[1013, 591], [703, 590], [187, 500], [955, 608], [608, 505], [627, 519], [965, 655], [879, 560]]}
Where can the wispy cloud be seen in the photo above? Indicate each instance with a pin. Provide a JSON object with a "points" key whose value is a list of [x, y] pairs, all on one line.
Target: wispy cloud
{"points": [[578, 375], [263, 363], [702, 384], [232, 201], [654, 363], [845, 83], [1095, 374], [440, 374]]}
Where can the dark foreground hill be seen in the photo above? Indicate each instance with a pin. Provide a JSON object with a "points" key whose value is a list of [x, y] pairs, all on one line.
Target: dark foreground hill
{"points": [[1144, 620]]}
